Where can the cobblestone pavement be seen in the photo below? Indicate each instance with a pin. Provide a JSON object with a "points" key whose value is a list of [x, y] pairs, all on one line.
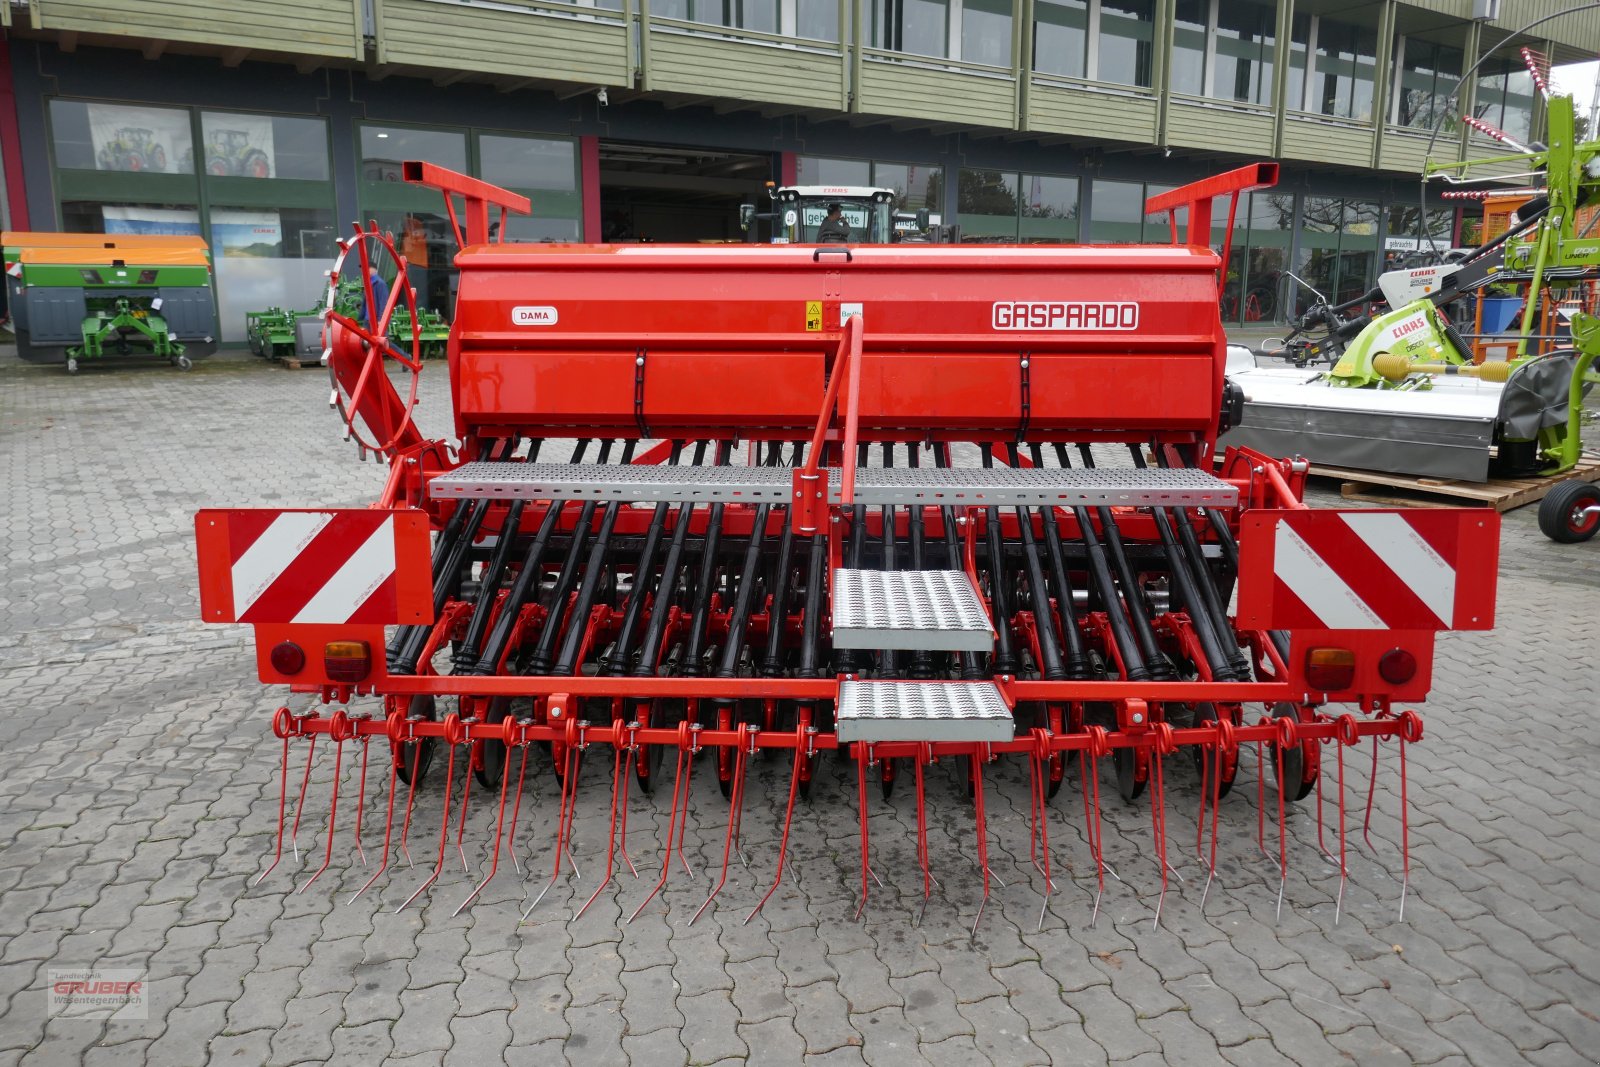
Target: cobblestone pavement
{"points": [[138, 789]]}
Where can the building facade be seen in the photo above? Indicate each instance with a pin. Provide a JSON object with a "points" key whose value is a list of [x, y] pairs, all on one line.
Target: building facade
{"points": [[268, 127]]}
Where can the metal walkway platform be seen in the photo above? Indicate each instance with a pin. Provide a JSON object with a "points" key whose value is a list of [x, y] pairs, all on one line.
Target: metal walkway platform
{"points": [[959, 486], [934, 611], [922, 711]]}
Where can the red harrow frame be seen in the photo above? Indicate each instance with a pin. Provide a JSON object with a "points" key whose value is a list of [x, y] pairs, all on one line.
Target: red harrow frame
{"points": [[899, 503]]}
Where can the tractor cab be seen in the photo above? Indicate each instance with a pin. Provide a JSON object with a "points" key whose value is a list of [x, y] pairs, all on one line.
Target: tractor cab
{"points": [[798, 213]]}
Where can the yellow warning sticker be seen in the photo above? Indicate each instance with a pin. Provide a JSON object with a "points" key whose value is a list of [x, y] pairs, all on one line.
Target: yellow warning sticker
{"points": [[813, 315]]}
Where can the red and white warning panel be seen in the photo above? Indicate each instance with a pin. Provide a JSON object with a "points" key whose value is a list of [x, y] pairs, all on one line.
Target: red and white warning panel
{"points": [[1368, 570], [367, 566]]}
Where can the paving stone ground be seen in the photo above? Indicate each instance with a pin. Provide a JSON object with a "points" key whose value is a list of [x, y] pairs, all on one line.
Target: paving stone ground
{"points": [[139, 790]]}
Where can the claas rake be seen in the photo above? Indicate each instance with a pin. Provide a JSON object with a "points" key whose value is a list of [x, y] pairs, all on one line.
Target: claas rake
{"points": [[891, 506]]}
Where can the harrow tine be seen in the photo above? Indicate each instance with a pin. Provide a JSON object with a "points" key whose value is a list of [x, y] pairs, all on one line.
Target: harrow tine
{"points": [[388, 830], [569, 789], [340, 729], [622, 830], [500, 821], [1213, 786], [1089, 772], [361, 799], [983, 832], [305, 780], [618, 771], [1344, 870], [687, 747], [1284, 845], [411, 797], [1411, 730], [1158, 810], [736, 802], [861, 800], [924, 757], [453, 737], [1039, 767], [281, 725], [1372, 782], [516, 805], [461, 823], [788, 819]]}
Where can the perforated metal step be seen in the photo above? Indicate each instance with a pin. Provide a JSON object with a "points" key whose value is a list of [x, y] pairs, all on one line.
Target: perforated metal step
{"points": [[935, 611], [922, 711], [959, 486]]}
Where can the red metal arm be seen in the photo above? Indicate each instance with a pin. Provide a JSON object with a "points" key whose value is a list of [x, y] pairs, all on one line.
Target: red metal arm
{"points": [[479, 195], [809, 488], [1197, 197]]}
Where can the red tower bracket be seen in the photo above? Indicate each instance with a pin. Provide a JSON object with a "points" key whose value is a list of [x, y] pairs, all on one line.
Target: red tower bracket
{"points": [[1197, 197], [479, 196]]}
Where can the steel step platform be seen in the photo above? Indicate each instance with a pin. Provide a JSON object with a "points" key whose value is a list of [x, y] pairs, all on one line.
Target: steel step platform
{"points": [[923, 611], [922, 711], [958, 486]]}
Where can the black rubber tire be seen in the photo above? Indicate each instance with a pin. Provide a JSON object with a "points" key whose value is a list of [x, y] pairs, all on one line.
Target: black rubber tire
{"points": [[886, 776], [1557, 512], [1300, 778], [494, 752], [417, 755], [1125, 761]]}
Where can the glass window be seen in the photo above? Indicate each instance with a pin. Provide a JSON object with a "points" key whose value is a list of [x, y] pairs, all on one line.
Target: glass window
{"points": [[986, 32], [545, 170], [759, 15], [916, 185], [1188, 46], [1505, 97], [155, 140], [925, 27], [816, 170], [817, 20], [1346, 61], [986, 201], [264, 146], [1265, 289], [1049, 208], [1061, 37], [1429, 74], [528, 162], [1116, 215], [1127, 28], [384, 148], [1244, 52]]}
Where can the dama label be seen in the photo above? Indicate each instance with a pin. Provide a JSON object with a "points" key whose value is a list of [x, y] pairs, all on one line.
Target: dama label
{"points": [[533, 316]]}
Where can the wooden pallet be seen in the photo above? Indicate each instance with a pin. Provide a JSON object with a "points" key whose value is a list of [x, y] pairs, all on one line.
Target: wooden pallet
{"points": [[1402, 490]]}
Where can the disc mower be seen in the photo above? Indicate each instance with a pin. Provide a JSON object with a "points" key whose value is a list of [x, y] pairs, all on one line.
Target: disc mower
{"points": [[80, 296], [891, 506]]}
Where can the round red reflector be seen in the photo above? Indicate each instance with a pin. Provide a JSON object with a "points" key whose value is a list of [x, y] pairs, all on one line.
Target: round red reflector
{"points": [[1397, 666], [288, 658]]}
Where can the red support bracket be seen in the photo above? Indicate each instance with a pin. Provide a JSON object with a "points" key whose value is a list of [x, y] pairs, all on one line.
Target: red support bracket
{"points": [[479, 196]]}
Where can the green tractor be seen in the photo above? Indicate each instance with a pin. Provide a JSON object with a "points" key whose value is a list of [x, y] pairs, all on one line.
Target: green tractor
{"points": [[133, 149], [229, 153]]}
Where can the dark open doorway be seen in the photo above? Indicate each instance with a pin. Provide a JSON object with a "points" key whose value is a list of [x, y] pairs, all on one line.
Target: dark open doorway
{"points": [[673, 194]]}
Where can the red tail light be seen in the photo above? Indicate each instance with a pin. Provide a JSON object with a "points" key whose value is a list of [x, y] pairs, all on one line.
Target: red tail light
{"points": [[1330, 670], [1397, 666], [347, 661], [288, 658]]}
